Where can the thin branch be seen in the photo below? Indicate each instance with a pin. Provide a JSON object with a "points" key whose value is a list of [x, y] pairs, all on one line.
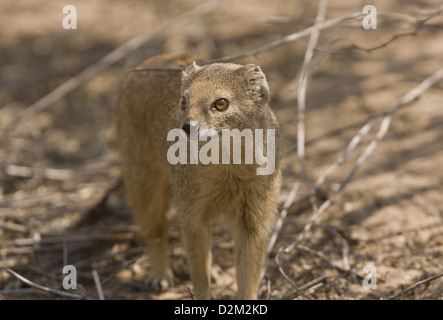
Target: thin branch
{"points": [[65, 252], [307, 286], [407, 98], [415, 285], [98, 285], [292, 37], [125, 265], [13, 227], [280, 268], [344, 247], [352, 144], [314, 282], [177, 69], [304, 33], [288, 20], [289, 38], [39, 287], [113, 57], [118, 236], [419, 23], [284, 212], [191, 294], [301, 98], [302, 87], [332, 264], [268, 289]]}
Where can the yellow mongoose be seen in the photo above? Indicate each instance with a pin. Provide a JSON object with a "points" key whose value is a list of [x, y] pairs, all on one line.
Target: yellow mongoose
{"points": [[217, 97]]}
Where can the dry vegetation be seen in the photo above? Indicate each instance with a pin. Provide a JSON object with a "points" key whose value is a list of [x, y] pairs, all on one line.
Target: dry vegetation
{"points": [[60, 198]]}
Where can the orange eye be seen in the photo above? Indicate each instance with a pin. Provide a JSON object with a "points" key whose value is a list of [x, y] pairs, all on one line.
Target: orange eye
{"points": [[183, 103], [221, 104]]}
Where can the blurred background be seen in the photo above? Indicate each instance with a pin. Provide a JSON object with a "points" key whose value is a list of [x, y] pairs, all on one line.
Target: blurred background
{"points": [[60, 202]]}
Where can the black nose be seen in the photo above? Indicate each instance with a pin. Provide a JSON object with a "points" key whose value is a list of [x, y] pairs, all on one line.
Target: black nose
{"points": [[190, 126], [187, 128]]}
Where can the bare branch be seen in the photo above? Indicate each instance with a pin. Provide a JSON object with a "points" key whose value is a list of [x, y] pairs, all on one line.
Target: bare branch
{"points": [[39, 287], [284, 212], [280, 268], [118, 236], [13, 226], [344, 247], [307, 286], [303, 78], [415, 285], [178, 69], [98, 285], [407, 98], [301, 98], [308, 31], [331, 263], [191, 294], [419, 23], [113, 57], [292, 37]]}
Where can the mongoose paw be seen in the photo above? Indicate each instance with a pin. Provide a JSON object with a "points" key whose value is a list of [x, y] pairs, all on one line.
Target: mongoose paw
{"points": [[161, 281]]}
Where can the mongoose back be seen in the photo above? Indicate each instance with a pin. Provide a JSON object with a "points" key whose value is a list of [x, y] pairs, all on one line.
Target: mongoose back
{"points": [[213, 98]]}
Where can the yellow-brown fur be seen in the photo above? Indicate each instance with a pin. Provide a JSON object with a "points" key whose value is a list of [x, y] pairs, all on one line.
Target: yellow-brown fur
{"points": [[147, 108]]}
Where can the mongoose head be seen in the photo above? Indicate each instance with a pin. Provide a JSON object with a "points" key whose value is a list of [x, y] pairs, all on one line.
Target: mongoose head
{"points": [[223, 96]]}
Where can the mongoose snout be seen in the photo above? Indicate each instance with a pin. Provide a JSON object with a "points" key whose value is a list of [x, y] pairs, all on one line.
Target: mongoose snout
{"points": [[190, 126]]}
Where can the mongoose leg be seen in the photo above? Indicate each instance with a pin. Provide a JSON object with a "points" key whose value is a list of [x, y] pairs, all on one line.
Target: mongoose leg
{"points": [[197, 241], [251, 238], [149, 204]]}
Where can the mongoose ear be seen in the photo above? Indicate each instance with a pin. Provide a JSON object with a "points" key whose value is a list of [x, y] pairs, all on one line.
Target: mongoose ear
{"points": [[191, 69], [256, 83]]}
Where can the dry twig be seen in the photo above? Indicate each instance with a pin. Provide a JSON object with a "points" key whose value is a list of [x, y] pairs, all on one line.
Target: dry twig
{"points": [[71, 237], [301, 98], [113, 57], [419, 23], [191, 294], [407, 98], [284, 212], [308, 31], [98, 285], [43, 288], [415, 285], [307, 286], [7, 225], [292, 37]]}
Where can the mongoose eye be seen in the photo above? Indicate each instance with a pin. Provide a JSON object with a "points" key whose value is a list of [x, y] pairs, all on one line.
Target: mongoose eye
{"points": [[221, 104], [183, 103]]}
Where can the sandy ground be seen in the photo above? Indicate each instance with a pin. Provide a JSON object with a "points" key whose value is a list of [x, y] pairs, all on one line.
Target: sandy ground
{"points": [[57, 166]]}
